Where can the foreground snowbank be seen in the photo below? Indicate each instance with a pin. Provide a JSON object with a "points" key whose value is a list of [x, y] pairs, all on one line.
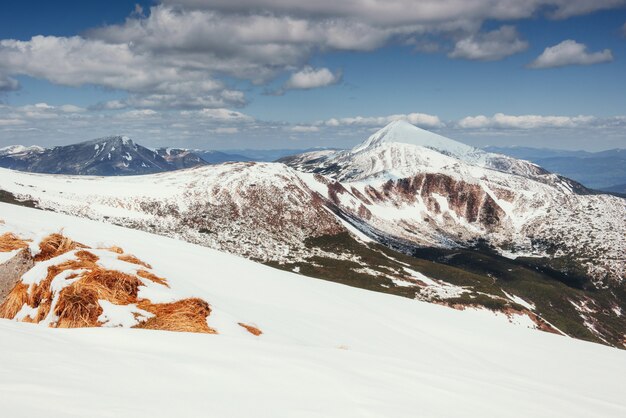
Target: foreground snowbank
{"points": [[326, 351]]}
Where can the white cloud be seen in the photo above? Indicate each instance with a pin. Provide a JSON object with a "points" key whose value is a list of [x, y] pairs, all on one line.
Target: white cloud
{"points": [[226, 130], [110, 105], [420, 119], [303, 128], [11, 122], [219, 115], [137, 114], [570, 52], [381, 12], [502, 121], [489, 46], [175, 55], [310, 78]]}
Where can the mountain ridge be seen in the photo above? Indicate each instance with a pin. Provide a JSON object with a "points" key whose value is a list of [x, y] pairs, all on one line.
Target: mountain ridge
{"points": [[105, 156]]}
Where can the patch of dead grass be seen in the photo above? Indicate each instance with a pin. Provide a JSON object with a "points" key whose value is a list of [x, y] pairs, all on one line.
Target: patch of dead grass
{"points": [[14, 301], [133, 260], [11, 242], [54, 245], [77, 304], [152, 277], [115, 249], [187, 315], [252, 330]]}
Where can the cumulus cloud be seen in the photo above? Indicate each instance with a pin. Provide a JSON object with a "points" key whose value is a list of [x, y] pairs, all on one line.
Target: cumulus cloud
{"points": [[489, 46], [311, 78], [402, 11], [419, 119], [502, 121], [219, 115], [226, 130], [110, 105], [176, 54], [303, 128], [570, 52]]}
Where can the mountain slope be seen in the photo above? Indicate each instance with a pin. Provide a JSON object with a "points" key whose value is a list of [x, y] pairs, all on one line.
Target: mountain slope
{"points": [[443, 193], [335, 231], [109, 156], [322, 347]]}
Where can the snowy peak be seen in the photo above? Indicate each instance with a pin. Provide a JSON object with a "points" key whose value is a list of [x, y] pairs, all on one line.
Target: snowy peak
{"points": [[403, 132], [20, 149], [116, 142]]}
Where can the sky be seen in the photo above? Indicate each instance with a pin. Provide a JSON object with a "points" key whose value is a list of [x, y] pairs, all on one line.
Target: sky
{"points": [[263, 74]]}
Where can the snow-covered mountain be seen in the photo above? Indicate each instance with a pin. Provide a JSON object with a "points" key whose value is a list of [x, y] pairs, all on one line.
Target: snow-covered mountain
{"points": [[179, 158], [325, 350], [394, 217], [411, 184], [400, 150], [108, 156], [20, 150]]}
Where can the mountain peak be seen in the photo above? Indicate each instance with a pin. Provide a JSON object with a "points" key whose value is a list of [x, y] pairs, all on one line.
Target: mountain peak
{"points": [[403, 132], [112, 139]]}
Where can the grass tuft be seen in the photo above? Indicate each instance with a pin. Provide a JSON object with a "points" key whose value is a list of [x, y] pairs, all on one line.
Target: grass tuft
{"points": [[252, 330], [133, 260], [54, 245], [10, 242], [187, 315]]}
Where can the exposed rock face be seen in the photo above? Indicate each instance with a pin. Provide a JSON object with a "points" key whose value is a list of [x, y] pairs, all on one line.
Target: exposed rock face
{"points": [[468, 201], [12, 270]]}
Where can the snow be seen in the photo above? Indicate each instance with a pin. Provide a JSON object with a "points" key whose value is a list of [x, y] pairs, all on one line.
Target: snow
{"points": [[437, 289], [358, 234], [121, 316], [520, 301], [6, 256], [327, 350], [404, 132]]}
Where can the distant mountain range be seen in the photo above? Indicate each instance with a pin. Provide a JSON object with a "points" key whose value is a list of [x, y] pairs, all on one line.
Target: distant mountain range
{"points": [[109, 156], [605, 170], [119, 155]]}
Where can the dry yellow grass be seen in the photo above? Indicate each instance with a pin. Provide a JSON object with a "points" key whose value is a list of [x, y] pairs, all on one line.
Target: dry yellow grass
{"points": [[187, 315], [10, 242], [54, 245], [14, 301], [133, 260], [152, 277], [252, 330], [115, 249], [77, 304]]}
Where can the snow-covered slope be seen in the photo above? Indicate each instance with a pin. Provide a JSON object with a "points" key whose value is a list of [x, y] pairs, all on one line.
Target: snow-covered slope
{"points": [[327, 350], [259, 210]]}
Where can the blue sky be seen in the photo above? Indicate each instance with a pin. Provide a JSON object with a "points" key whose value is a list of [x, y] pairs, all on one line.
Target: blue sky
{"points": [[285, 74]]}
